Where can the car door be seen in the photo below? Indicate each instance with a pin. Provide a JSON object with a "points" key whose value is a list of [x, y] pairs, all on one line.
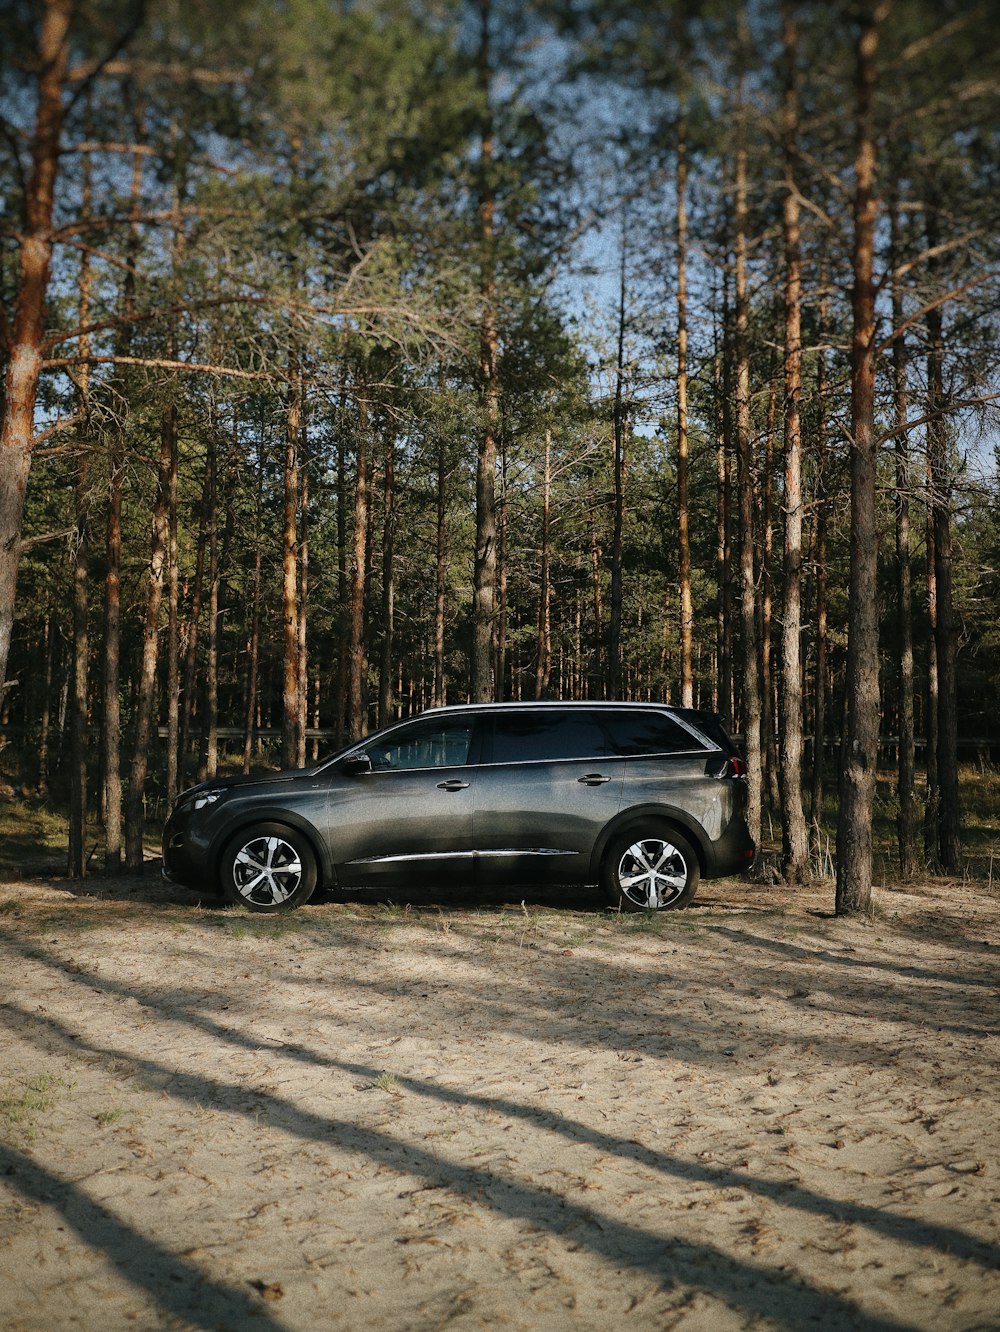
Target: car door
{"points": [[401, 806], [545, 789]]}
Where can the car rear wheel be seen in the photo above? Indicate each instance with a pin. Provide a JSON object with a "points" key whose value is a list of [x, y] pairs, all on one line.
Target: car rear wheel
{"points": [[650, 870], [268, 868]]}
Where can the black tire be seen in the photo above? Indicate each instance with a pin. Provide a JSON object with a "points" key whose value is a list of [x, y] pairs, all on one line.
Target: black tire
{"points": [[268, 867], [650, 869]]}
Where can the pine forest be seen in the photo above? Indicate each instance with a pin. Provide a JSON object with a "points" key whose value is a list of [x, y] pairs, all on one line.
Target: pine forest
{"points": [[361, 358]]}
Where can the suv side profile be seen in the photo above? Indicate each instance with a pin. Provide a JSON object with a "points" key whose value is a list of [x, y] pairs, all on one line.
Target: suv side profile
{"points": [[643, 799]]}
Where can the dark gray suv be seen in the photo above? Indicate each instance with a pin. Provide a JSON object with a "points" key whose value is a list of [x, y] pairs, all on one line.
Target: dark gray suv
{"points": [[643, 799]]}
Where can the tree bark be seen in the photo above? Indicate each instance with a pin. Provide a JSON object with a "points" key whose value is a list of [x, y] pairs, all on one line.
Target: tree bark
{"points": [[948, 813], [795, 844], [440, 693], [302, 627], [683, 465], [619, 422], [750, 694], [79, 749], [253, 643], [27, 329], [289, 575], [543, 663], [821, 520], [484, 570], [385, 699], [906, 823], [134, 811], [357, 720], [860, 762]]}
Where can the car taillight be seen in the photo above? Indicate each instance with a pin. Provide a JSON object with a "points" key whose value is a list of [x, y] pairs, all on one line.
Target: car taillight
{"points": [[738, 767]]}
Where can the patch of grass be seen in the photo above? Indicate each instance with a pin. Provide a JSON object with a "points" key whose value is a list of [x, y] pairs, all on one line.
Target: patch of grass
{"points": [[107, 1118], [387, 1082], [21, 1104]]}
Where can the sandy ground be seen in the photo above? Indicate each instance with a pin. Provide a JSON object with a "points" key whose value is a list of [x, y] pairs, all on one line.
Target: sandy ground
{"points": [[748, 1114]]}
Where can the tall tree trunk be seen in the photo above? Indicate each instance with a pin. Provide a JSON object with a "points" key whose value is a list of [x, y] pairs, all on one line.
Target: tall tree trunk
{"points": [[860, 762], [795, 845], [598, 678], [750, 696], [357, 718], [385, 700], [683, 538], [765, 620], [303, 623], [906, 763], [289, 575], [821, 519], [440, 577], [81, 579], [484, 571], [210, 718], [543, 663], [253, 643], [134, 821], [949, 817], [27, 328], [189, 708], [620, 430], [933, 801], [502, 571], [343, 585], [112, 729]]}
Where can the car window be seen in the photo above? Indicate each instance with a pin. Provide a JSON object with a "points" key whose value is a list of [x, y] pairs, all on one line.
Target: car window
{"points": [[526, 737], [440, 743], [635, 733]]}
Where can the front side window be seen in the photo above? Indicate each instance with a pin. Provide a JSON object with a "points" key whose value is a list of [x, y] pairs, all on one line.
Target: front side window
{"points": [[427, 744], [535, 737]]}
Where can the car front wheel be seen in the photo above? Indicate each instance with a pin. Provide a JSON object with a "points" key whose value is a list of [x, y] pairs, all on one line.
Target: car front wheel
{"points": [[268, 868], [650, 871]]}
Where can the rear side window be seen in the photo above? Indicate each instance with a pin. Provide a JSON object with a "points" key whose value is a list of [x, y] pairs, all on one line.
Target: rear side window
{"points": [[536, 737], [637, 733]]}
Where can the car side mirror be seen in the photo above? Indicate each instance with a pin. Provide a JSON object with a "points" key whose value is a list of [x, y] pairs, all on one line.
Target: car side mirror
{"points": [[356, 765]]}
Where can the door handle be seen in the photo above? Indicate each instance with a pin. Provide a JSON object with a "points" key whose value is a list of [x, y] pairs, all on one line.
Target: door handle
{"points": [[594, 779], [452, 785]]}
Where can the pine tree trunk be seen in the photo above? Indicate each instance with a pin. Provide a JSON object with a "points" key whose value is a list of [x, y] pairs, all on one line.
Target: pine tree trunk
{"points": [[79, 748], [440, 578], [750, 694], [948, 814], [683, 466], [821, 520], [79, 714], [619, 422], [357, 719], [304, 589], [502, 570], [385, 699], [795, 845], [289, 576], [253, 644], [146, 694], [210, 718], [27, 328], [543, 663], [906, 764], [860, 762], [765, 621], [484, 570]]}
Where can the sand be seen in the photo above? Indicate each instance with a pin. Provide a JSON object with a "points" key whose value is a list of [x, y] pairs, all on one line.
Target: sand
{"points": [[749, 1114]]}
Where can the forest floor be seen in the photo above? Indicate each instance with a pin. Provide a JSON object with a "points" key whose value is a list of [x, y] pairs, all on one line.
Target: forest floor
{"points": [[462, 1114]]}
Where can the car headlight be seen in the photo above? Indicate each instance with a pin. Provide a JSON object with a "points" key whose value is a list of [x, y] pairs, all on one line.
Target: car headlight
{"points": [[208, 797]]}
